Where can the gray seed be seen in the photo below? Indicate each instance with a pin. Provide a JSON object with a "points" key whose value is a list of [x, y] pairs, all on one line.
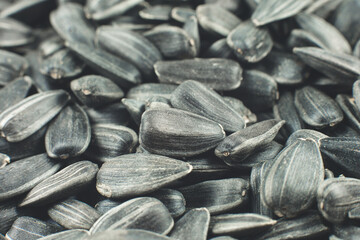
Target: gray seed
{"points": [[191, 27], [76, 234], [263, 154], [115, 113], [11, 66], [172, 199], [238, 106], [177, 133], [95, 91], [208, 167], [302, 38], [73, 214], [157, 102], [157, 12], [181, 14], [216, 73], [356, 93], [135, 108], [219, 49], [139, 174], [68, 134], [218, 196], [62, 64], [66, 15], [346, 232], [50, 46], [336, 197], [98, 6], [9, 212], [131, 234], [316, 108], [21, 120], [143, 213], [62, 184], [323, 8], [291, 181], [241, 144], [239, 224], [21, 176], [350, 110], [129, 46], [105, 205], [306, 134], [118, 8], [275, 10], [173, 42], [108, 141], [4, 160], [14, 92], [194, 97], [147, 90], [250, 43], [193, 225], [216, 20], [14, 33]]}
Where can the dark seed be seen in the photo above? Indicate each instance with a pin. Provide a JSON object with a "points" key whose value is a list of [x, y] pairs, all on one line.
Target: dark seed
{"points": [[14, 92], [11, 66], [351, 112], [147, 90], [135, 108], [118, 8], [115, 113], [305, 134], [172, 199]]}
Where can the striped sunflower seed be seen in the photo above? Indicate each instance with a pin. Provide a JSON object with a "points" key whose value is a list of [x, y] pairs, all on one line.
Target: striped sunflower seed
{"points": [[291, 181], [140, 173], [109, 141], [11, 66], [192, 135], [77, 234], [238, 106], [95, 91], [73, 214], [62, 184], [219, 49], [207, 167], [351, 113], [218, 196], [14, 92], [21, 176], [305, 134], [216, 73], [194, 97], [69, 134], [114, 113], [193, 225], [130, 234], [9, 212], [14, 33], [143, 213], [172, 199]]}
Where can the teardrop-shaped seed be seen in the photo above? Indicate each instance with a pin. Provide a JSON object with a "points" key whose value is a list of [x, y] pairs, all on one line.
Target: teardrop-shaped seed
{"points": [[156, 13], [241, 144], [238, 106], [343, 152], [337, 196], [30, 229], [173, 42], [139, 213], [14, 33], [62, 64], [117, 8], [218, 196], [135, 108], [193, 225], [29, 115], [316, 108], [4, 160], [194, 97], [264, 154], [216, 73], [77, 234], [11, 66], [109, 141], [21, 176], [239, 224], [69, 134], [308, 226], [274, 10], [148, 90], [115, 113], [291, 181], [305, 133], [96, 91], [62, 184], [351, 113], [119, 71], [219, 49], [63, 20], [73, 214], [178, 133], [325, 32], [14, 92], [250, 51], [130, 234], [130, 46], [216, 20], [356, 93], [136, 174], [338, 66], [181, 14], [172, 199]]}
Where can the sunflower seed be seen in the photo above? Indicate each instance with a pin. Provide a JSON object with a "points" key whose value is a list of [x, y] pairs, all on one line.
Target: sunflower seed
{"points": [[239, 224], [193, 134], [193, 225], [11, 66], [148, 90], [21, 176], [14, 92], [241, 144], [194, 97], [250, 51], [172, 199], [115, 113], [131, 234], [356, 93], [316, 108], [306, 134], [62, 184], [77, 234], [139, 51], [14, 33], [50, 46], [274, 10], [29, 115], [117, 9], [67, 14], [139, 213], [181, 14], [352, 114], [135, 108], [216, 73], [238, 106], [216, 20], [141, 173], [73, 214], [157, 102], [263, 154], [191, 27], [9, 212], [290, 183], [323, 8], [219, 49], [218, 196], [118, 70], [157, 13], [302, 38], [108, 141]]}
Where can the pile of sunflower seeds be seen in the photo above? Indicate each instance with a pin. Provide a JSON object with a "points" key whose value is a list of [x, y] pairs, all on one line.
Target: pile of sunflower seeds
{"points": [[179, 119]]}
